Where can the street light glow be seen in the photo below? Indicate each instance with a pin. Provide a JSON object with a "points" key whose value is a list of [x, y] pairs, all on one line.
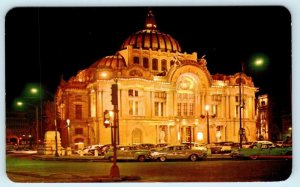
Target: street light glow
{"points": [[206, 107], [259, 62], [19, 103], [34, 90]]}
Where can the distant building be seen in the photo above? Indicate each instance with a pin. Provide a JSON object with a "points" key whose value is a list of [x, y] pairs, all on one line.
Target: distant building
{"points": [[263, 117], [270, 126], [162, 93], [286, 126], [19, 130]]}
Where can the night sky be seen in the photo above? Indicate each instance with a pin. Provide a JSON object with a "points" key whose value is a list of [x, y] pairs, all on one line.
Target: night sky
{"points": [[42, 44]]}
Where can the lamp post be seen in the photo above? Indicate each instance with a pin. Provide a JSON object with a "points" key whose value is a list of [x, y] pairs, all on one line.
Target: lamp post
{"points": [[290, 130], [68, 127], [207, 122], [55, 124], [241, 105], [35, 90], [257, 62]]}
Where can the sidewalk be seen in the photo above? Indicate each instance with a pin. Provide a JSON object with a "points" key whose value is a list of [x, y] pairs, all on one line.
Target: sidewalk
{"points": [[58, 177]]}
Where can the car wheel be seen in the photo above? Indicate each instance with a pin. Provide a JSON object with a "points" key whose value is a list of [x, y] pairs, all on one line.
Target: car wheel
{"points": [[162, 159], [141, 158], [193, 158]]}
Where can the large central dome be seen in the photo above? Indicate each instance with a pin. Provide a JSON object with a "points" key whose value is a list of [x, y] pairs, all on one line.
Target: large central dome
{"points": [[151, 38]]}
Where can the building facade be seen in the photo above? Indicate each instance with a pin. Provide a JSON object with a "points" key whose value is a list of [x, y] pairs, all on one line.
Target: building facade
{"points": [[20, 131], [162, 94], [263, 117]]}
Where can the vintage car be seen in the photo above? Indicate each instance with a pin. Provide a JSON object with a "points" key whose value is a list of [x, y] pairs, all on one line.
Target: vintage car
{"points": [[195, 146], [144, 145], [263, 150], [177, 152], [222, 147], [128, 153], [104, 149]]}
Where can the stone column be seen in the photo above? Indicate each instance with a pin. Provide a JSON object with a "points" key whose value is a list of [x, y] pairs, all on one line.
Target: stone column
{"points": [[183, 139], [223, 107], [202, 104], [169, 104], [253, 107]]}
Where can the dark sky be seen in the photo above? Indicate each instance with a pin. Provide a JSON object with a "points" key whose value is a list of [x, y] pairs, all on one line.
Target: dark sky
{"points": [[41, 44]]}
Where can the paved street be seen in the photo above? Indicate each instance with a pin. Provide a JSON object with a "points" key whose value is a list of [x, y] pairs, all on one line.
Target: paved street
{"points": [[25, 169]]}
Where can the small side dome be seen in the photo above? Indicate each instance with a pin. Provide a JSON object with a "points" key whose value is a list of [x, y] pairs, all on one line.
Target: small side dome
{"points": [[113, 62]]}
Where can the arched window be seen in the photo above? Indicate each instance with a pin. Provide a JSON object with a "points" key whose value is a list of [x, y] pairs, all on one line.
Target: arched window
{"points": [[154, 64], [172, 62], [136, 60], [163, 65], [145, 63], [136, 136]]}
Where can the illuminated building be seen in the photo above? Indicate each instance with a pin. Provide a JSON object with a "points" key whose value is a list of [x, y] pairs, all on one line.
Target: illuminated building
{"points": [[263, 117], [19, 130], [162, 94]]}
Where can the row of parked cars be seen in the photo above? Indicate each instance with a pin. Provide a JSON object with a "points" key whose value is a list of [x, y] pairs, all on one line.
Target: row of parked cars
{"points": [[264, 150], [162, 154], [191, 151], [142, 152]]}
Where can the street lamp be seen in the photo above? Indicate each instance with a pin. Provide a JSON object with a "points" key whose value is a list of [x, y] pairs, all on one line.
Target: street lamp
{"points": [[35, 90], [290, 129], [241, 105], [258, 62], [207, 121], [88, 132], [68, 127]]}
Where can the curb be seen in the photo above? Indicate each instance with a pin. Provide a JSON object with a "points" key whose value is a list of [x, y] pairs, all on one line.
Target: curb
{"points": [[71, 178]]}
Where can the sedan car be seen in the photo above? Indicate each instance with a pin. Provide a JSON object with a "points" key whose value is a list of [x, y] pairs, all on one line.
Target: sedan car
{"points": [[195, 146], [222, 147], [144, 145], [263, 150], [178, 152], [128, 153]]}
